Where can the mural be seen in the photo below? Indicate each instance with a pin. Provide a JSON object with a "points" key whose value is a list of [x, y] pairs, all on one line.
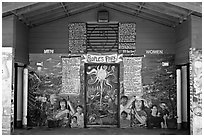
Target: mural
{"points": [[7, 91], [154, 107], [47, 104], [101, 94], [196, 91]]}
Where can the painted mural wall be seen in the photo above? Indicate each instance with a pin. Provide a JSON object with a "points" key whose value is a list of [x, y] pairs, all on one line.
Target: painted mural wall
{"points": [[196, 91], [7, 91]]}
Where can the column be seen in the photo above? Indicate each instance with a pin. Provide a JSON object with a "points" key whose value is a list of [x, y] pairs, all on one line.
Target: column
{"points": [[19, 96], [25, 96], [184, 96], [179, 109]]}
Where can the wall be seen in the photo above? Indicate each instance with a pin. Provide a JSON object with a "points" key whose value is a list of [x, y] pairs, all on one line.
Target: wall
{"points": [[54, 35], [15, 34], [196, 29], [20, 42], [7, 31], [183, 42]]}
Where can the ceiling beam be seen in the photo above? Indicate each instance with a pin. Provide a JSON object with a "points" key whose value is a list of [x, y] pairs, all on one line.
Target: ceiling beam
{"points": [[10, 6], [55, 14], [35, 7], [156, 10], [64, 8], [194, 6], [133, 13], [71, 13], [153, 14]]}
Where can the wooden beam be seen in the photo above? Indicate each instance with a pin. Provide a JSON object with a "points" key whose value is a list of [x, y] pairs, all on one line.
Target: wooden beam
{"points": [[133, 13], [194, 6], [35, 7], [71, 13], [148, 13], [65, 10], [10, 6]]}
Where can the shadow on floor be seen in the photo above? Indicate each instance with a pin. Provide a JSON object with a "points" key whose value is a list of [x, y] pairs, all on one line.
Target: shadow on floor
{"points": [[98, 131]]}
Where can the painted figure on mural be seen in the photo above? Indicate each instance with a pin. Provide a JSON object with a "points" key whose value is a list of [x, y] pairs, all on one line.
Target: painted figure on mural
{"points": [[64, 113], [74, 123], [126, 105], [124, 122], [164, 112], [155, 120], [80, 116], [138, 115]]}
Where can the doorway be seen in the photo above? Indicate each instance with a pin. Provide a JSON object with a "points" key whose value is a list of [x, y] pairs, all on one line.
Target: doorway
{"points": [[102, 95]]}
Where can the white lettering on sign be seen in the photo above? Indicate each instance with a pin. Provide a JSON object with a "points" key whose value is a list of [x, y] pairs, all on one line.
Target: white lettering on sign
{"points": [[48, 51], [113, 58], [154, 52]]}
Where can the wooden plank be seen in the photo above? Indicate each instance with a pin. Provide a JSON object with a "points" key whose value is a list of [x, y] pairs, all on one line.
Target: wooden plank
{"points": [[194, 6]]}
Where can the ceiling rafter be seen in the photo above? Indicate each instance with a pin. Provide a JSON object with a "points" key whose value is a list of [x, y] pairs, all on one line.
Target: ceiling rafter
{"points": [[41, 12], [128, 6], [23, 19], [71, 13], [65, 9], [140, 8], [193, 6], [131, 12], [158, 11], [35, 7]]}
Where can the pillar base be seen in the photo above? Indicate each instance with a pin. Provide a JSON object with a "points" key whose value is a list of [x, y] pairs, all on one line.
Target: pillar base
{"points": [[179, 125], [19, 124]]}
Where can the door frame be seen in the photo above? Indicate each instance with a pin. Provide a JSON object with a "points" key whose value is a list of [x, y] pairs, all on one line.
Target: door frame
{"points": [[85, 95]]}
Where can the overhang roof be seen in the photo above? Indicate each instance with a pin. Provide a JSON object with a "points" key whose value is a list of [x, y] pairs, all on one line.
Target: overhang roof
{"points": [[37, 13]]}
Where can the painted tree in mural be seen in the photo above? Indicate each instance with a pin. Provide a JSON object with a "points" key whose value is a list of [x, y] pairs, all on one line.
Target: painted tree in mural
{"points": [[101, 95], [159, 81]]}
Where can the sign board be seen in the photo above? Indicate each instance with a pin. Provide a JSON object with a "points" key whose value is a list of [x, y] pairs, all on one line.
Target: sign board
{"points": [[132, 75], [109, 58], [154, 52], [71, 76]]}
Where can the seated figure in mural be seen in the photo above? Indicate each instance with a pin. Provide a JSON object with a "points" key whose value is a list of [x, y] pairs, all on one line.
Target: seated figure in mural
{"points": [[155, 120], [74, 123], [164, 113], [124, 122], [80, 116], [126, 105], [63, 113], [138, 115]]}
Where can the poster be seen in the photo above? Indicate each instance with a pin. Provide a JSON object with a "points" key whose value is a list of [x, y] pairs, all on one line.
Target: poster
{"points": [[71, 76], [132, 76]]}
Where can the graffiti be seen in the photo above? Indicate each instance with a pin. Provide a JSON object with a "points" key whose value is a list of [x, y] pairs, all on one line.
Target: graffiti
{"points": [[196, 91]]}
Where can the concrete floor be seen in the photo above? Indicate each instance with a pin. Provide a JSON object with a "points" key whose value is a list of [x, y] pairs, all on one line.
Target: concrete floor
{"points": [[98, 131]]}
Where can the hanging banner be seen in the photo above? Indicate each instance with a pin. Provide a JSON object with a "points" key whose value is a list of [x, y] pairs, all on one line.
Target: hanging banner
{"points": [[132, 75], [109, 58], [71, 76]]}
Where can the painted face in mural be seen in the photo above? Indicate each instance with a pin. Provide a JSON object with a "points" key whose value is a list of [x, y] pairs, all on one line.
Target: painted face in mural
{"points": [[154, 110], [62, 105], [138, 104], [79, 109], [124, 101]]}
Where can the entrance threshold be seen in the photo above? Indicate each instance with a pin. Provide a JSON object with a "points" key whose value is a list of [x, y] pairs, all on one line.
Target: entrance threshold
{"points": [[101, 126]]}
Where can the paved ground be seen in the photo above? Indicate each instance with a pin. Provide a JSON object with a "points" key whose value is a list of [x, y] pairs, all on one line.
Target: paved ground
{"points": [[98, 131]]}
